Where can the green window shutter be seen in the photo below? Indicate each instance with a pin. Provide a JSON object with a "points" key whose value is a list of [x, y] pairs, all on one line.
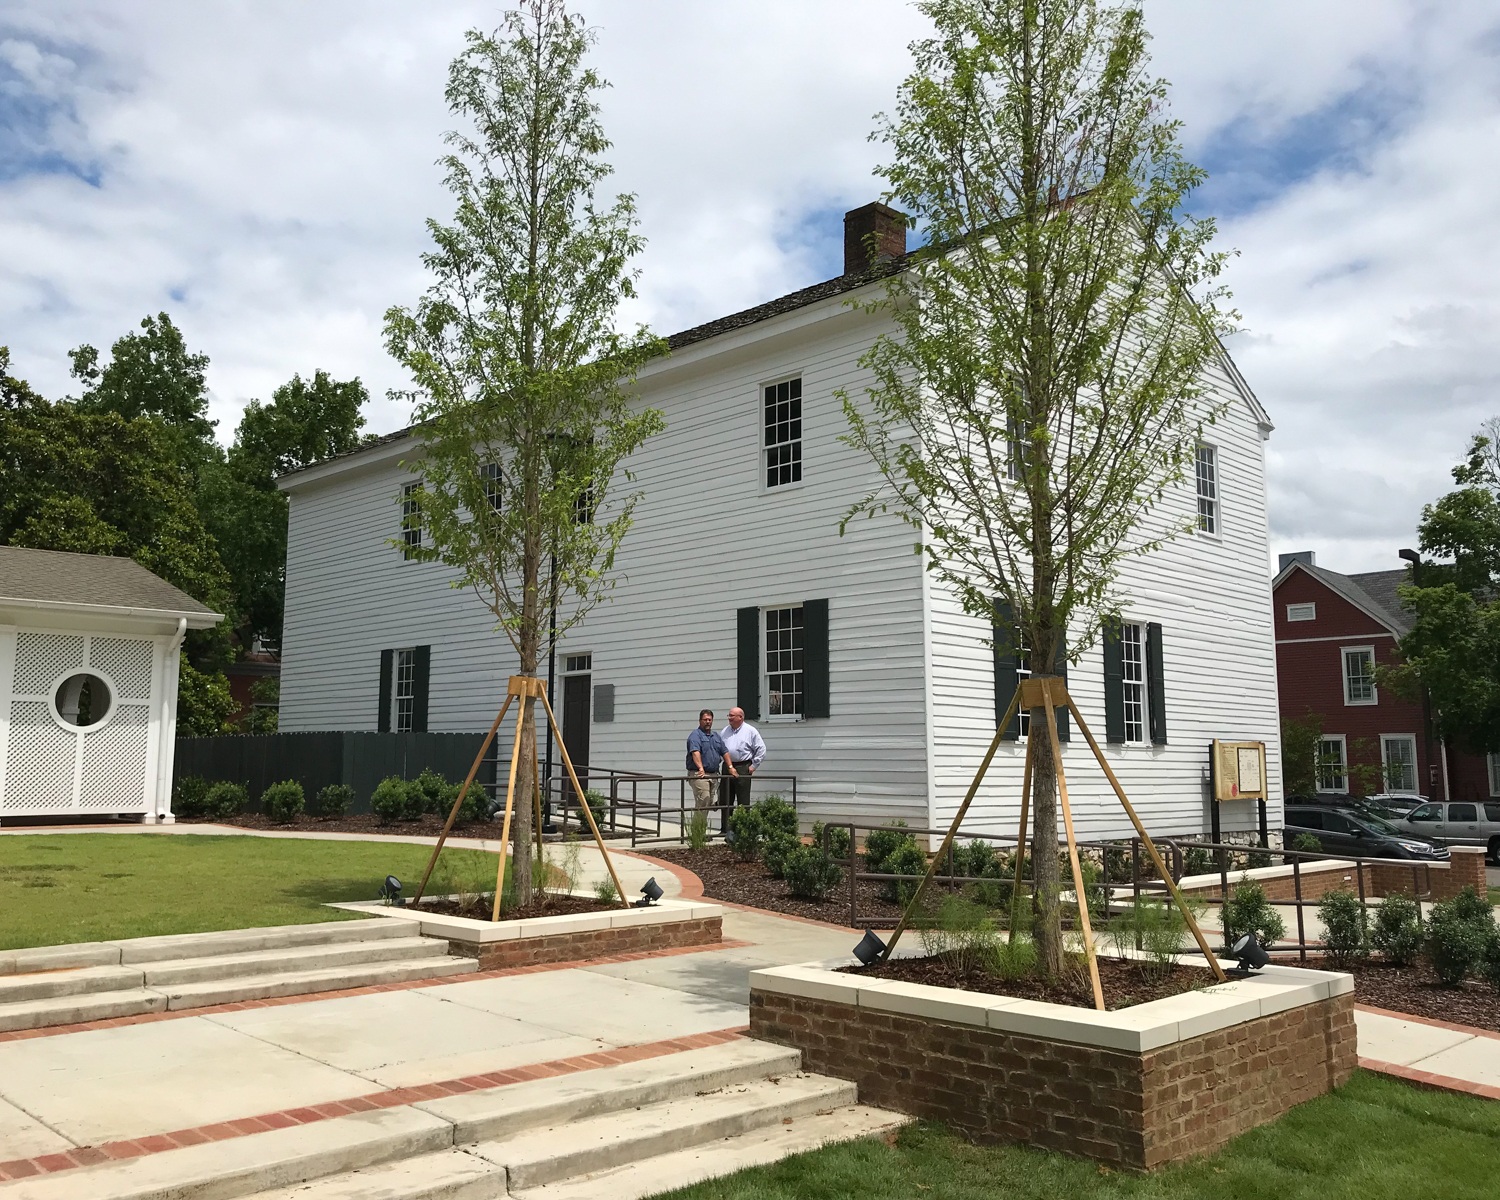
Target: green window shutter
{"points": [[1064, 724], [1156, 692], [1003, 633], [387, 669], [815, 658], [421, 665], [1114, 686], [747, 656]]}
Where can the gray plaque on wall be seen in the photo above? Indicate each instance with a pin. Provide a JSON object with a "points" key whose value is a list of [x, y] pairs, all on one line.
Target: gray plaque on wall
{"points": [[604, 702]]}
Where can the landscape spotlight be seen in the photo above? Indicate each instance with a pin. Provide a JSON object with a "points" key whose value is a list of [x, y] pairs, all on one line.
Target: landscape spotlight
{"points": [[390, 890], [870, 948], [1251, 954], [652, 891]]}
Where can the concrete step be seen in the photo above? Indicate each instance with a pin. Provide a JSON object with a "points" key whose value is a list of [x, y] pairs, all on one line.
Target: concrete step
{"points": [[71, 1010], [301, 983], [490, 1114], [45, 985], [243, 941], [238, 1167], [681, 1168], [283, 959], [613, 1139], [447, 1175]]}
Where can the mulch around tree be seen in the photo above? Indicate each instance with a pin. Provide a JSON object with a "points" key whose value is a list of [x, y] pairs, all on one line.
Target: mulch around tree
{"points": [[1416, 991], [544, 906], [1123, 983]]}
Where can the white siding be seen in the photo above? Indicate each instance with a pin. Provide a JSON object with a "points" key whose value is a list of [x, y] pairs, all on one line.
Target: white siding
{"points": [[708, 539], [1213, 600]]}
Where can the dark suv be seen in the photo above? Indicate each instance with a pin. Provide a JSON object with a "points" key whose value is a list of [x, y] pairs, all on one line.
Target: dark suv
{"points": [[1358, 834]]}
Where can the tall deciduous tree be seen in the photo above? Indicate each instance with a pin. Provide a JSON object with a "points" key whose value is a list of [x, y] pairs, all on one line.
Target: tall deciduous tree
{"points": [[1453, 647], [522, 382], [1043, 392]]}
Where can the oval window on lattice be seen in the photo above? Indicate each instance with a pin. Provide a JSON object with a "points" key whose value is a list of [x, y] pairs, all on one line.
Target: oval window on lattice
{"points": [[82, 700]]}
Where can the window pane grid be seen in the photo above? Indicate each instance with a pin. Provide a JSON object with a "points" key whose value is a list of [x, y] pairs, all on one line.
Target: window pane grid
{"points": [[489, 473], [1023, 671], [1400, 754], [411, 515], [1133, 676], [1359, 676], [1333, 775], [1207, 474], [783, 432], [406, 689], [784, 662]]}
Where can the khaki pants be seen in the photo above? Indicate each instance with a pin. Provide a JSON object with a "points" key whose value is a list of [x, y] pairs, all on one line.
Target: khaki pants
{"points": [[703, 791]]}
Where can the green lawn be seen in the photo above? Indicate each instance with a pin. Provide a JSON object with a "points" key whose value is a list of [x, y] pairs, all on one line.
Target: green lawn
{"points": [[94, 887], [1374, 1139]]}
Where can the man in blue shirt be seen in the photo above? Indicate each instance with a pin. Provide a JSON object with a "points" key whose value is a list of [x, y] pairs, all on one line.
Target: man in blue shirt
{"points": [[705, 755]]}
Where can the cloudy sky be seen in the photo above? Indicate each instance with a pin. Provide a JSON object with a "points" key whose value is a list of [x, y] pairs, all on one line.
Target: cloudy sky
{"points": [[262, 170]]}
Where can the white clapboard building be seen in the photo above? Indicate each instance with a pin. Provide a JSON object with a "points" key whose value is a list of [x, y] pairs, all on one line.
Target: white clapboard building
{"points": [[868, 682]]}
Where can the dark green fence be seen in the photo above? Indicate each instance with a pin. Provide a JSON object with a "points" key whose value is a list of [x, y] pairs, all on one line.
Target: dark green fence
{"points": [[315, 760]]}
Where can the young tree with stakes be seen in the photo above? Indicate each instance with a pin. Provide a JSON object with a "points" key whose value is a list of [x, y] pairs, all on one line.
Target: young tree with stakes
{"points": [[522, 382], [1043, 392]]}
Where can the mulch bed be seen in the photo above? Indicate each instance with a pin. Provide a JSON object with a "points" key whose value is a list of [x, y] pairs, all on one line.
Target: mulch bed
{"points": [[368, 823], [548, 906], [725, 877], [1416, 991], [1122, 982]]}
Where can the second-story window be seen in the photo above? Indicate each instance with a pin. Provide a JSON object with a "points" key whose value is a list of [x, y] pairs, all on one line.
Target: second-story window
{"points": [[411, 518], [1359, 675], [489, 477], [782, 425], [1206, 472]]}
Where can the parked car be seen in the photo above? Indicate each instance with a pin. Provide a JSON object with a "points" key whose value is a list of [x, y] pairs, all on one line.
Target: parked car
{"points": [[1387, 806], [1395, 805], [1458, 823], [1358, 834]]}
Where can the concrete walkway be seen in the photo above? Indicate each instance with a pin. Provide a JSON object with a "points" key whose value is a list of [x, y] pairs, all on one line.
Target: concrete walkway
{"points": [[1456, 1058]]}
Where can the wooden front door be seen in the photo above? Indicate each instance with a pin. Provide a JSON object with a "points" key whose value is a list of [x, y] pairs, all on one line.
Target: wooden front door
{"points": [[575, 722]]}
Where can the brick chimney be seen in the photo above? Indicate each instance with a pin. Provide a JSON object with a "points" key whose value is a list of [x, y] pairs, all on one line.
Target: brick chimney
{"points": [[1283, 561], [877, 225]]}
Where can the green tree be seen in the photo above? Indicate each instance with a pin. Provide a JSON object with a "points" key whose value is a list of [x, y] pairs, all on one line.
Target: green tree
{"points": [[522, 383], [1301, 740], [1453, 647], [1044, 390]]}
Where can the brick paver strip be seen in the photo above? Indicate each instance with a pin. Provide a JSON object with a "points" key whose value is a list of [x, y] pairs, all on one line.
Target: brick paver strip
{"points": [[21, 1035], [1430, 1079], [50, 1164]]}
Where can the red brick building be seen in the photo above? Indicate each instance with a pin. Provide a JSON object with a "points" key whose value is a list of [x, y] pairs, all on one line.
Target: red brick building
{"points": [[1332, 634]]}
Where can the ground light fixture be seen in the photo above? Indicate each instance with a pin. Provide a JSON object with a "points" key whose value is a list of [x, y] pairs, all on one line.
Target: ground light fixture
{"points": [[870, 948], [650, 893], [390, 891], [1251, 954]]}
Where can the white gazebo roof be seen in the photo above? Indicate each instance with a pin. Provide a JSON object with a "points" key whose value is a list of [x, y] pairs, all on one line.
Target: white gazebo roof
{"points": [[92, 584]]}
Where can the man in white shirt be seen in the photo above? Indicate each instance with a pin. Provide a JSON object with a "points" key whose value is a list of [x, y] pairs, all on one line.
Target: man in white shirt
{"points": [[746, 751]]}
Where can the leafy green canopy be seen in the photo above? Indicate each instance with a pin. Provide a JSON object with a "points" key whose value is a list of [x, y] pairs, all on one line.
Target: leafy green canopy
{"points": [[1453, 648]]}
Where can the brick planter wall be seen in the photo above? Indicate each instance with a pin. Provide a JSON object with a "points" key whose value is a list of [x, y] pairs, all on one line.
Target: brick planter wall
{"points": [[1135, 1109], [1433, 881], [589, 943]]}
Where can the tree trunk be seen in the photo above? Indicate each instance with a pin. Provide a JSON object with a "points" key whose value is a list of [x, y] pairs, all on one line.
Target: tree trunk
{"points": [[1046, 927]]}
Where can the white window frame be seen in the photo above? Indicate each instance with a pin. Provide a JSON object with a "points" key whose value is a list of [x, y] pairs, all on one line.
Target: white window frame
{"points": [[1416, 782], [411, 505], [766, 674], [1342, 787], [403, 690], [1492, 760], [798, 443], [572, 665], [493, 482], [1210, 520], [1344, 653], [1135, 685], [1302, 612]]}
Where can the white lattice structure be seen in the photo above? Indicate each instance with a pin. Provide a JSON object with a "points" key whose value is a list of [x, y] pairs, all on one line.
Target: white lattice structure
{"points": [[88, 685]]}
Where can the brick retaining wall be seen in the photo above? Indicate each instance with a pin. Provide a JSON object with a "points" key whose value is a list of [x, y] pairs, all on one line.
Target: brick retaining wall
{"points": [[589, 943], [1431, 881], [1133, 1109]]}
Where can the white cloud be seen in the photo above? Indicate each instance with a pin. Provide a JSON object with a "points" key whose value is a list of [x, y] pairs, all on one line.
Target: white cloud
{"points": [[262, 171]]}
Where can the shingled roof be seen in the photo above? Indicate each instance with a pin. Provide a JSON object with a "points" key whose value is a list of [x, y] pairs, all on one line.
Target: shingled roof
{"points": [[41, 577], [1373, 591]]}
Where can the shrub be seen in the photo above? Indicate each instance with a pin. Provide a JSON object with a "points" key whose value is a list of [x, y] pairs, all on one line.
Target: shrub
{"points": [[224, 800], [334, 801], [283, 802], [1248, 911], [697, 829], [1308, 842], [1455, 944], [1197, 861], [811, 872], [598, 804], [436, 794], [393, 798], [1489, 967], [965, 934], [1343, 918], [1469, 905], [774, 851], [188, 794], [1015, 959], [836, 837], [907, 860], [776, 816], [752, 826], [976, 860], [606, 892], [881, 844], [1397, 932], [1258, 858]]}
